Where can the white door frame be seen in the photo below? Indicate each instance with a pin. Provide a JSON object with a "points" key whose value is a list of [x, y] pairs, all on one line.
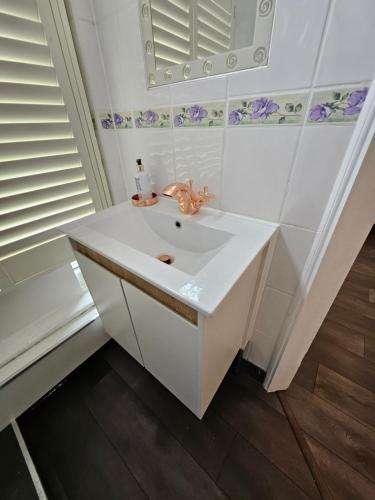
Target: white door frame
{"points": [[346, 222]]}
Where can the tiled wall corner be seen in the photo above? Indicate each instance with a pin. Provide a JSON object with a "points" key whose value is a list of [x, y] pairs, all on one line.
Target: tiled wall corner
{"points": [[292, 248], [317, 164]]}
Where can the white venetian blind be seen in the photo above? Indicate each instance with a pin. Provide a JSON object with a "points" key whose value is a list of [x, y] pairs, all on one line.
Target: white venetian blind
{"points": [[42, 181], [171, 32], [184, 30], [214, 27]]}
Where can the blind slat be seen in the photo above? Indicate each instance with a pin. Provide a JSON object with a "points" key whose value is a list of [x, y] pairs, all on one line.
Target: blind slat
{"points": [[169, 39], [32, 113], [27, 215], [169, 25], [166, 8], [17, 186], [14, 72], [25, 9], [14, 235], [38, 148], [33, 198], [213, 35], [18, 28], [18, 51], [29, 94], [170, 54], [34, 132], [37, 166]]}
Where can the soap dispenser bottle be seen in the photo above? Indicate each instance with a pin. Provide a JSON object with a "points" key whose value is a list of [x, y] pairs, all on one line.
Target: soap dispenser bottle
{"points": [[142, 182]]}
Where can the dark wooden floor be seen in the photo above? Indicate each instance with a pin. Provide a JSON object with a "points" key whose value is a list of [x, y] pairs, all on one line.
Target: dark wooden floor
{"points": [[111, 431], [333, 394]]}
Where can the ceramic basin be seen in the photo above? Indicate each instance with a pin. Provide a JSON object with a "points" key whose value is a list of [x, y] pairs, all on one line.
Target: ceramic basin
{"points": [[211, 249], [157, 233]]}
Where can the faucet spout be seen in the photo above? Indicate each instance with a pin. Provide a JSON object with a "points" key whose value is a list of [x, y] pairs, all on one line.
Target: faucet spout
{"points": [[188, 201]]}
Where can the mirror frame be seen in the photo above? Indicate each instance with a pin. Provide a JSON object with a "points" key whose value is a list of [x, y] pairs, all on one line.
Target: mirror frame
{"points": [[219, 64]]}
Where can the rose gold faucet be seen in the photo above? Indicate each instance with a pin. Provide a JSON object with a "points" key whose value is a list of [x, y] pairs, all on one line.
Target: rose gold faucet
{"points": [[188, 201]]}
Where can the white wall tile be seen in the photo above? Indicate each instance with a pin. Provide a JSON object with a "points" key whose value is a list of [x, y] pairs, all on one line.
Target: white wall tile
{"points": [[120, 38], [112, 164], [80, 9], [317, 164], [273, 311], [261, 347], [91, 65], [257, 162], [155, 147], [297, 31], [292, 248], [206, 89], [348, 53], [198, 156]]}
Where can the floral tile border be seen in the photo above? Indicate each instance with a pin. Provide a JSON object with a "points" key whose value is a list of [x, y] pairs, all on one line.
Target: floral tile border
{"points": [[272, 110], [157, 118], [337, 105], [334, 105], [106, 120], [123, 119], [211, 114]]}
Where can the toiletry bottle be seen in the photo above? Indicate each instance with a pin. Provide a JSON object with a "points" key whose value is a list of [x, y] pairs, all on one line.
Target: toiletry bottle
{"points": [[142, 181]]}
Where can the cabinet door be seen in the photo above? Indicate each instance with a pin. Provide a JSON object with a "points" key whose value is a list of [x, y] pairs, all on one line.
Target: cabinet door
{"points": [[169, 345], [107, 293]]}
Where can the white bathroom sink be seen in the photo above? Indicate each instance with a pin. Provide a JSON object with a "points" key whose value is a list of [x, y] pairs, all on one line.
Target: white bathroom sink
{"points": [[156, 233], [210, 250]]}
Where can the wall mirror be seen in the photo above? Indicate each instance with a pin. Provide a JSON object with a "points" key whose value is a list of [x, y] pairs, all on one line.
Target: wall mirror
{"points": [[188, 39]]}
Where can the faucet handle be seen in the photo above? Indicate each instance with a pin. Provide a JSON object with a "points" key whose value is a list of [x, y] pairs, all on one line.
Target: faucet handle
{"points": [[205, 196]]}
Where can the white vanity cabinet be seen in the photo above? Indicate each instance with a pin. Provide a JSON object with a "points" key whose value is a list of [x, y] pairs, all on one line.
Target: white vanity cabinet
{"points": [[188, 352], [108, 295], [169, 345], [192, 360]]}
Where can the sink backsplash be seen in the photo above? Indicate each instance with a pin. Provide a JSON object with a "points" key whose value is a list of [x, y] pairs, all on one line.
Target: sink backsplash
{"points": [[268, 142]]}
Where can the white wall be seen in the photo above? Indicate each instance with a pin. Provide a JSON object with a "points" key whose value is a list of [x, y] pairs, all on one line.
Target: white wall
{"points": [[284, 172]]}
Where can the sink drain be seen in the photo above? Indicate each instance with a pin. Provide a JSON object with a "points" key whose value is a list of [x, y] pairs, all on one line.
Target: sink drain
{"points": [[167, 259]]}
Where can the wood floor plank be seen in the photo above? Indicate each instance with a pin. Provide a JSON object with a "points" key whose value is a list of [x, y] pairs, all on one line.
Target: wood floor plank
{"points": [[306, 374], [265, 429], [208, 440], [346, 395], [124, 364], [364, 280], [255, 389], [370, 349], [62, 433], [344, 482], [347, 364], [345, 436], [352, 319], [355, 297], [248, 475], [364, 263], [156, 459], [15, 480], [343, 336]]}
